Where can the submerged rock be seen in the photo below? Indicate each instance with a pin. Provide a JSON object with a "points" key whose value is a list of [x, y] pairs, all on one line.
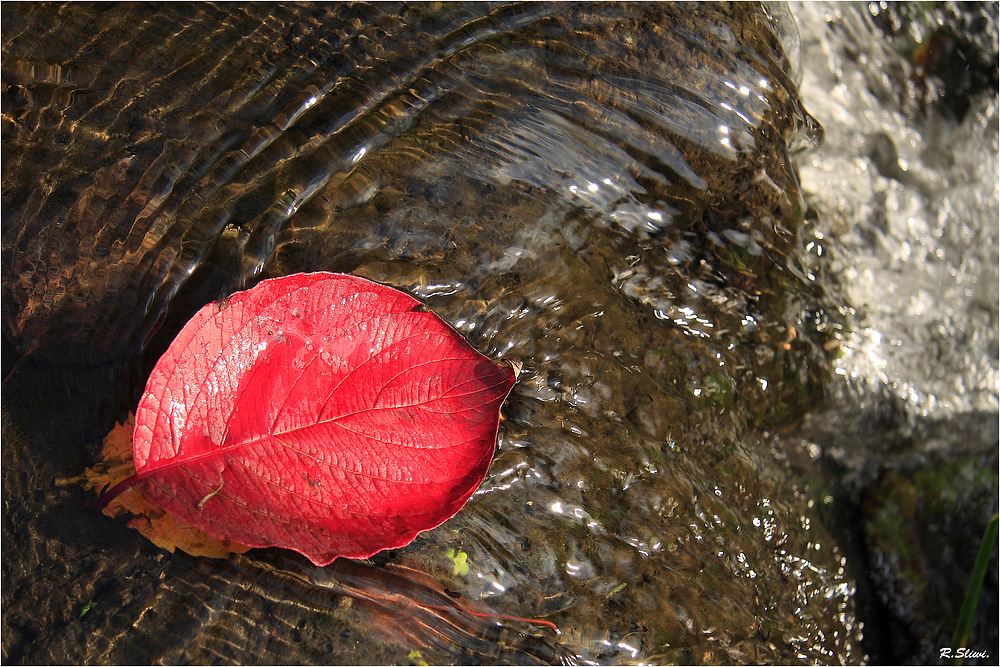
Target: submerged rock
{"points": [[602, 192]]}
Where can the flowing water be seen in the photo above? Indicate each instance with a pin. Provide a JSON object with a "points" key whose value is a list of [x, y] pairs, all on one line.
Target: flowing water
{"points": [[904, 200], [606, 193]]}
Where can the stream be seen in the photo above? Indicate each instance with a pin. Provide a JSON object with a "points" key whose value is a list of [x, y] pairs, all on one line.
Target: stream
{"points": [[746, 254]]}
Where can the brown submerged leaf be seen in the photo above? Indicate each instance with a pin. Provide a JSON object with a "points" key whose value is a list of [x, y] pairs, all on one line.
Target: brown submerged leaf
{"points": [[162, 529]]}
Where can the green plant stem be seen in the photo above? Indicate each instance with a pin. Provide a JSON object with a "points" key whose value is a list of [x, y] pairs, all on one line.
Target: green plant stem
{"points": [[961, 636]]}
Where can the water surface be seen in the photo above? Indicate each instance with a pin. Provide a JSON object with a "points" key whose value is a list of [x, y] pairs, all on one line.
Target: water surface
{"points": [[602, 192]]}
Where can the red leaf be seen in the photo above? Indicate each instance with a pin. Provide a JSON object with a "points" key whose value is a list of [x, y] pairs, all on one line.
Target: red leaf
{"points": [[320, 412]]}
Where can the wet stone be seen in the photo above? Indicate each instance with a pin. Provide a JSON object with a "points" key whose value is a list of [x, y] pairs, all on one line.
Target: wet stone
{"points": [[601, 192]]}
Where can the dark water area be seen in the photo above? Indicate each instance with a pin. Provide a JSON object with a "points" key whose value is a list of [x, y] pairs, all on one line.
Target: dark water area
{"points": [[606, 193]]}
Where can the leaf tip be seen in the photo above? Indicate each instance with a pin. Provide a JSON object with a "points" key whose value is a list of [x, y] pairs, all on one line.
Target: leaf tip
{"points": [[516, 365]]}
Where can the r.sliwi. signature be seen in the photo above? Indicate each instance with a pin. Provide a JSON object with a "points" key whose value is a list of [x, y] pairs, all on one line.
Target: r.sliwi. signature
{"points": [[947, 653]]}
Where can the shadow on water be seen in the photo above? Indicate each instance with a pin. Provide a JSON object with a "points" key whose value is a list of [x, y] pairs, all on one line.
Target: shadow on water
{"points": [[603, 192]]}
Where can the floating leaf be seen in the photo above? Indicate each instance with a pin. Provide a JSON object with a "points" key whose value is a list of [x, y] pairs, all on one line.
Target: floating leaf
{"points": [[320, 412]]}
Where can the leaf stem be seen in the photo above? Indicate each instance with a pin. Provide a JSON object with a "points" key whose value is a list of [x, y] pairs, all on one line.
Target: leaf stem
{"points": [[113, 493]]}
